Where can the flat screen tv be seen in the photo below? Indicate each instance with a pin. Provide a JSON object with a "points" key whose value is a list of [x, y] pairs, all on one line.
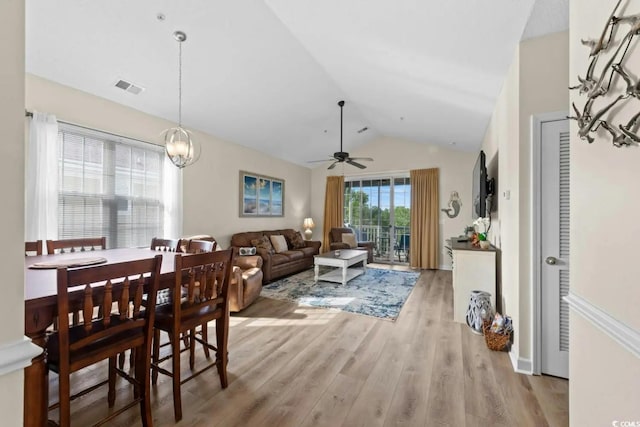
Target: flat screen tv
{"points": [[480, 187]]}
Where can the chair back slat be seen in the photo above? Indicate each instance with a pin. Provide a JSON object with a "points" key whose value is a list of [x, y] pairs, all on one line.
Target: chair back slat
{"points": [[137, 301], [107, 303], [167, 245], [123, 303], [33, 248], [207, 281], [87, 307], [76, 245]]}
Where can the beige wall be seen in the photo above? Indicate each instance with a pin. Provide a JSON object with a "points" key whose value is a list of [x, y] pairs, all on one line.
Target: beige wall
{"points": [[502, 152], [12, 175], [604, 203], [536, 83], [395, 156], [210, 186]]}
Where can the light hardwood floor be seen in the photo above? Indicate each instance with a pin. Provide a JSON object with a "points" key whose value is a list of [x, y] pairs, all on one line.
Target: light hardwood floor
{"points": [[295, 366]]}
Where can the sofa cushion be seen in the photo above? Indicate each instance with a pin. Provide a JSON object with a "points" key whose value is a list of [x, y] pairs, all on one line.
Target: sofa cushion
{"points": [[335, 234], [279, 243], [277, 259], [263, 243], [295, 240], [349, 239], [244, 239], [293, 255]]}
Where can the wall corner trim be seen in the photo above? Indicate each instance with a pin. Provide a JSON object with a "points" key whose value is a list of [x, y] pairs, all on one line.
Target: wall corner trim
{"points": [[623, 334], [520, 364], [17, 355]]}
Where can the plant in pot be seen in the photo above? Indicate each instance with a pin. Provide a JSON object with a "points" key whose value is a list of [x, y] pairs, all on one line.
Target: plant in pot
{"points": [[482, 226]]}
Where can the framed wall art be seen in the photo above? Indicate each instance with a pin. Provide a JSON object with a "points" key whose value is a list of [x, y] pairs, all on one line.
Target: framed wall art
{"points": [[261, 196]]}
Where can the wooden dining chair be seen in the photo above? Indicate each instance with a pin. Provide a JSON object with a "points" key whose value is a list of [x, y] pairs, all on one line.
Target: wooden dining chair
{"points": [[199, 246], [76, 245], [101, 337], [33, 248], [168, 245], [157, 244], [206, 277]]}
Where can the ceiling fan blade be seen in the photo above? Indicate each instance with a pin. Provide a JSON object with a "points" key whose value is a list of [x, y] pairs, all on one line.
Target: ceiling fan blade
{"points": [[365, 159], [320, 161], [356, 164], [333, 165]]}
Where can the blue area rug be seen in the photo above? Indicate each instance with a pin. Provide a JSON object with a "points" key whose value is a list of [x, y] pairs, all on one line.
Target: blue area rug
{"points": [[379, 293]]}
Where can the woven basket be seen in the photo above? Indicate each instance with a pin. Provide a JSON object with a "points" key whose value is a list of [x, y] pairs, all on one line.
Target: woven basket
{"points": [[495, 341]]}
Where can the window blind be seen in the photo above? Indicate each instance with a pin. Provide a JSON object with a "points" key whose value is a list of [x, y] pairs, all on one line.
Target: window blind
{"points": [[109, 186]]}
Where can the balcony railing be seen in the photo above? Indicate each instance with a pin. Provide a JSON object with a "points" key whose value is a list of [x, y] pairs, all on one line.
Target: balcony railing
{"points": [[381, 236]]}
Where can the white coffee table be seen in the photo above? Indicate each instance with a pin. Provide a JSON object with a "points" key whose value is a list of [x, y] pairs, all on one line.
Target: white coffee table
{"points": [[343, 273]]}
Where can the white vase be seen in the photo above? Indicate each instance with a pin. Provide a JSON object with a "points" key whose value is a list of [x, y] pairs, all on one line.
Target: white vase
{"points": [[484, 244], [479, 309]]}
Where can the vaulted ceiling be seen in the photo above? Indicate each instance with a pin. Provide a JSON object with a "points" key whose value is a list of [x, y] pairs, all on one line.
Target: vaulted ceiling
{"points": [[268, 74]]}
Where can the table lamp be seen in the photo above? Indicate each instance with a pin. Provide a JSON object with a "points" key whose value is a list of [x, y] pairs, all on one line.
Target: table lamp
{"points": [[308, 225]]}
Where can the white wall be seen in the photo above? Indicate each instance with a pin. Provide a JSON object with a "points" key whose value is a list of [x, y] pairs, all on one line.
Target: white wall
{"points": [[536, 83], [12, 27], [393, 155], [604, 251], [211, 185]]}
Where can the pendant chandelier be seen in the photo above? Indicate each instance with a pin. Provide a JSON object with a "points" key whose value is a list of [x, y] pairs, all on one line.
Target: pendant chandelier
{"points": [[180, 148]]}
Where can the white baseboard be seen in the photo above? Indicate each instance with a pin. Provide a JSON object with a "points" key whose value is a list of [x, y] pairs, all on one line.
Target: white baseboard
{"points": [[520, 364], [445, 267], [17, 355], [627, 337]]}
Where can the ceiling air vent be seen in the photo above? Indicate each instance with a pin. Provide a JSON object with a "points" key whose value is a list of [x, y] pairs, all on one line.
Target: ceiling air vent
{"points": [[129, 87]]}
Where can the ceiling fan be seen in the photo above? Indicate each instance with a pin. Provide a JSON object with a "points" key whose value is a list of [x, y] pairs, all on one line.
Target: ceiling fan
{"points": [[341, 156]]}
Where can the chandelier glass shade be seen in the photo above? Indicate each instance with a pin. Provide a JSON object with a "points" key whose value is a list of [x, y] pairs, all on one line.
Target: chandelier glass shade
{"points": [[180, 147]]}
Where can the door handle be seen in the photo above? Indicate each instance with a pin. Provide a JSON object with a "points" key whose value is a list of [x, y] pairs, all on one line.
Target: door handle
{"points": [[551, 260]]}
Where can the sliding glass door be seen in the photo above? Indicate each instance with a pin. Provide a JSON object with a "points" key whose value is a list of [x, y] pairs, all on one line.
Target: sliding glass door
{"points": [[378, 209]]}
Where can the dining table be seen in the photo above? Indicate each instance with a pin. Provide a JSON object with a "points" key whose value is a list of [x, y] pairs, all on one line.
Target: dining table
{"points": [[41, 309]]}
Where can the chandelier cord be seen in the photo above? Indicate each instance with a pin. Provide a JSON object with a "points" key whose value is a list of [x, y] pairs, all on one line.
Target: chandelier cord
{"points": [[179, 83]]}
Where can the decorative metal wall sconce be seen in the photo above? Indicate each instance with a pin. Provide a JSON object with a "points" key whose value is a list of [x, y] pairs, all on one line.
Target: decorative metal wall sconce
{"points": [[599, 81], [454, 205]]}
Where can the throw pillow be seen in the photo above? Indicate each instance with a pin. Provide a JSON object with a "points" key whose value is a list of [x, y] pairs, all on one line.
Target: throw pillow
{"points": [[279, 243], [247, 251], [263, 243], [349, 239], [297, 241]]}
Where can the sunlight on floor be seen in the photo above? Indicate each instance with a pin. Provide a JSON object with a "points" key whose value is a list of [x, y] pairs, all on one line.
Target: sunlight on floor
{"points": [[331, 301], [301, 316]]}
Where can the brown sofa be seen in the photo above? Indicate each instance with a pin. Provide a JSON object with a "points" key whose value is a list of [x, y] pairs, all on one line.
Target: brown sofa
{"points": [[276, 265]]}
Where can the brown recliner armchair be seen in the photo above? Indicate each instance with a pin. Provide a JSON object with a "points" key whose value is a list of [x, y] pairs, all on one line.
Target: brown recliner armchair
{"points": [[335, 242], [246, 282]]}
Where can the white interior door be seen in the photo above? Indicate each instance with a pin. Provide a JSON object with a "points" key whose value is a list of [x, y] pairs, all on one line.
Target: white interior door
{"points": [[554, 233]]}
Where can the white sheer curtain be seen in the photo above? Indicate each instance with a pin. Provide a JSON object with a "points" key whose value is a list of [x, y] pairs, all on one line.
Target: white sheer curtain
{"points": [[41, 211], [172, 195]]}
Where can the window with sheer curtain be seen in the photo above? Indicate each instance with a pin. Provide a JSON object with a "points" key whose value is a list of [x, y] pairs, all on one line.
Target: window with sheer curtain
{"points": [[109, 186]]}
